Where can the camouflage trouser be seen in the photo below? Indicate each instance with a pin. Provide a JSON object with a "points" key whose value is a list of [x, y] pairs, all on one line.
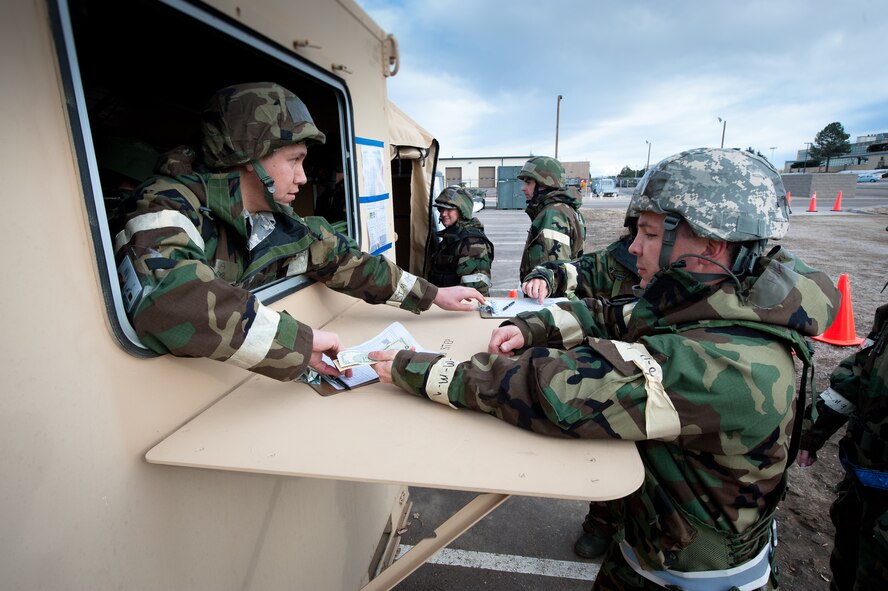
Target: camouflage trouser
{"points": [[859, 558], [600, 520]]}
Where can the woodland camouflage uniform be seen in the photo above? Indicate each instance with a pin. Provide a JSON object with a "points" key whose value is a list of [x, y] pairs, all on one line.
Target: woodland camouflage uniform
{"points": [[557, 229], [701, 376], [464, 254], [858, 396], [196, 253], [608, 272]]}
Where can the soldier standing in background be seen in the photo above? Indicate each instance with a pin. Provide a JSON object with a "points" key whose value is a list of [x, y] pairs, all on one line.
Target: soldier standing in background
{"points": [[464, 254], [557, 230], [196, 244], [698, 370], [858, 396]]}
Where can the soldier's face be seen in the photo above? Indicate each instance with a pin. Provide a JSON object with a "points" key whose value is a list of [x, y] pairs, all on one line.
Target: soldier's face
{"points": [[528, 187], [649, 241], [284, 165], [448, 216]]}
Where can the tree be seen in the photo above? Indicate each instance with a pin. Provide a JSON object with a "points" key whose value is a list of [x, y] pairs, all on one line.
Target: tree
{"points": [[628, 172], [831, 141]]}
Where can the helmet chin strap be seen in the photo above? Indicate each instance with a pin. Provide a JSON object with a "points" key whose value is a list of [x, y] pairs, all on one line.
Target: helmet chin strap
{"points": [[670, 232], [267, 183]]}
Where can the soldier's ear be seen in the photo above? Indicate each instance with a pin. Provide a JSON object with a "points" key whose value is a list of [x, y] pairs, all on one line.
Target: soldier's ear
{"points": [[715, 249]]}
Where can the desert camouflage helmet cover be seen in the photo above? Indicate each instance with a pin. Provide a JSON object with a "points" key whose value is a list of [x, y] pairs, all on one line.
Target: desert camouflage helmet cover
{"points": [[726, 194], [246, 122], [547, 172], [455, 197]]}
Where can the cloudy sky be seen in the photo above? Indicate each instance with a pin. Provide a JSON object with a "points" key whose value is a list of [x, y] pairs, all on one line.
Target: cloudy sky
{"points": [[484, 76]]}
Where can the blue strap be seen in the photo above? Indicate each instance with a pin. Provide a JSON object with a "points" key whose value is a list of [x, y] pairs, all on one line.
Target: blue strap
{"points": [[866, 477]]}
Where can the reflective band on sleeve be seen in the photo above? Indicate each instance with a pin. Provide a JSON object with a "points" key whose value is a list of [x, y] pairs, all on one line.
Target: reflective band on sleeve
{"points": [[837, 402], [556, 236], [660, 417], [567, 325], [258, 340], [570, 279], [405, 284], [439, 380], [154, 221], [475, 278]]}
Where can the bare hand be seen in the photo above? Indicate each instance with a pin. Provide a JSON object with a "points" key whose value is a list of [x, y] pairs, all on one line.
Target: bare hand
{"points": [[805, 459], [384, 365], [451, 298], [324, 342], [536, 288], [505, 339]]}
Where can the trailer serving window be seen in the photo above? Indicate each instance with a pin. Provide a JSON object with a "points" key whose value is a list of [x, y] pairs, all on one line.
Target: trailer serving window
{"points": [[137, 75]]}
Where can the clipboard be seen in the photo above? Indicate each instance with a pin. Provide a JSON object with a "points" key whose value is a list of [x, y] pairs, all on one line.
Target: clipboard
{"points": [[511, 307]]}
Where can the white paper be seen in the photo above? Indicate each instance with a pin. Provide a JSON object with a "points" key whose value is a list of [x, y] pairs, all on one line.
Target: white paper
{"points": [[373, 170], [377, 225], [511, 307]]}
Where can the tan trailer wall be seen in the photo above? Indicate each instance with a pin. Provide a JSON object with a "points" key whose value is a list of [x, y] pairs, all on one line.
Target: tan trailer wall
{"points": [[80, 507]]}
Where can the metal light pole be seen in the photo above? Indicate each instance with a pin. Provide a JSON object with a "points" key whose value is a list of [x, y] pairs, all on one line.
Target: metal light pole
{"points": [[649, 156], [805, 162], [724, 123], [557, 123], [772, 153]]}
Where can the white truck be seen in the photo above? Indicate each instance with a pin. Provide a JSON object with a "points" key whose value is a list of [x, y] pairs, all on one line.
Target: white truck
{"points": [[604, 187]]}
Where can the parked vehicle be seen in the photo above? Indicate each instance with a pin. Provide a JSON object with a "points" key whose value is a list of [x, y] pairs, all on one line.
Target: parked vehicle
{"points": [[604, 186], [869, 178]]}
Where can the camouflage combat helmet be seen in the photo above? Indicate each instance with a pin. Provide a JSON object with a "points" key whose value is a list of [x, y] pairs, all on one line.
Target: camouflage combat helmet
{"points": [[547, 172], [456, 197], [725, 194], [246, 122]]}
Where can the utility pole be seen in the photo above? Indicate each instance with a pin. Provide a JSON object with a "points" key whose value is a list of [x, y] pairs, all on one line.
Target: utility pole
{"points": [[772, 153], [649, 156], [557, 123], [724, 123]]}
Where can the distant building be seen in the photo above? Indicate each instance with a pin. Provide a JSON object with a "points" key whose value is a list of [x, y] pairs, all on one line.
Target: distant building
{"points": [[482, 171], [869, 152]]}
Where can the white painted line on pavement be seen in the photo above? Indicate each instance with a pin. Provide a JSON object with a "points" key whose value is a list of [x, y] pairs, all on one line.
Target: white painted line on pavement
{"points": [[562, 569]]}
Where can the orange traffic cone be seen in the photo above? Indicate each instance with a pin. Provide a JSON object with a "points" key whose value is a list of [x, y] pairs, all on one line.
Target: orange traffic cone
{"points": [[813, 205], [838, 205], [841, 332], [788, 200]]}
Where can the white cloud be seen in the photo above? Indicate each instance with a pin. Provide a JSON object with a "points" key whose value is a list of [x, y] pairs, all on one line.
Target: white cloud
{"points": [[483, 76]]}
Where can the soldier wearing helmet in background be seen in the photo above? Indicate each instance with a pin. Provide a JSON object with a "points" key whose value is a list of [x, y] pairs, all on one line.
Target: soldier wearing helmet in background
{"points": [[196, 244], [557, 230], [697, 369], [857, 396], [464, 254]]}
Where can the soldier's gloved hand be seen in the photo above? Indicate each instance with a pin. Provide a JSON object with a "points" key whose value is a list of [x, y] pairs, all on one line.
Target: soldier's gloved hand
{"points": [[451, 298], [324, 342], [536, 288], [505, 340], [805, 458]]}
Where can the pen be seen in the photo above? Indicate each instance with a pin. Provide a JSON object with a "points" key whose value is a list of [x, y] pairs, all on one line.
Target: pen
{"points": [[506, 307]]}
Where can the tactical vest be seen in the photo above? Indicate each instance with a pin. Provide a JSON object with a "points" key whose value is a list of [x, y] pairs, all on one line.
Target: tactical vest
{"points": [[446, 257]]}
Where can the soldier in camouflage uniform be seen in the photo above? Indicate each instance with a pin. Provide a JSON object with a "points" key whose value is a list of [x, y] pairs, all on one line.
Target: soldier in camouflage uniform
{"points": [[196, 244], [557, 230], [464, 254], [858, 396], [698, 369], [607, 273]]}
